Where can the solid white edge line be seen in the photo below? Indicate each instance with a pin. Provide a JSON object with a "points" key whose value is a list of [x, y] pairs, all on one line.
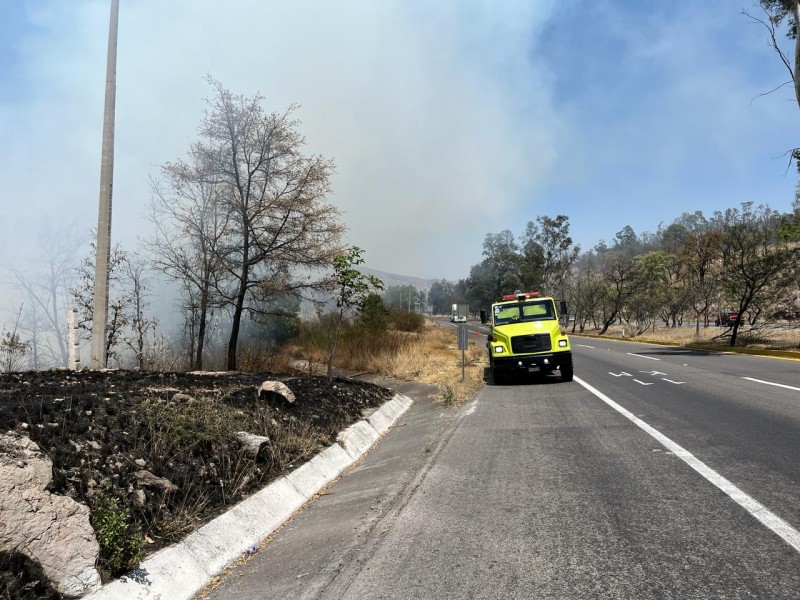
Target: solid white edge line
{"points": [[642, 356], [780, 385], [773, 522]]}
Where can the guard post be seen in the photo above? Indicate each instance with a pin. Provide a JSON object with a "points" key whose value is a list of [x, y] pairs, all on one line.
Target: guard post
{"points": [[462, 345]]}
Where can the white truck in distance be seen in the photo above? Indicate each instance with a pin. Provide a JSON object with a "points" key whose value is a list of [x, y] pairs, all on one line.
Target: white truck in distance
{"points": [[459, 313]]}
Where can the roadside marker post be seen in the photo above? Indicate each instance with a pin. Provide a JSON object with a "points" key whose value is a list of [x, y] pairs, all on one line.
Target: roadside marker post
{"points": [[462, 345]]}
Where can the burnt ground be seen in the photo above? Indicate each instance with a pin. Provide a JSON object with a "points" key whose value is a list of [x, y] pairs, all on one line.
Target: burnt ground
{"points": [[107, 432]]}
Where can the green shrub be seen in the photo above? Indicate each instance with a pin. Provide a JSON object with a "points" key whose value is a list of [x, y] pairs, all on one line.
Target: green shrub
{"points": [[402, 320], [373, 315], [121, 541], [447, 394]]}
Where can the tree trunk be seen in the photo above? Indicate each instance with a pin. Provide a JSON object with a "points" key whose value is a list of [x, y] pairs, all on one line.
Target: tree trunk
{"points": [[201, 329], [235, 323], [333, 348], [796, 15], [237, 316]]}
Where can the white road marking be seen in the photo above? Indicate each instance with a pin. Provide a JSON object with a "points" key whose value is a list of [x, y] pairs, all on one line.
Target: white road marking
{"points": [[642, 382], [641, 356], [653, 372], [770, 520], [675, 382], [584, 346], [788, 387], [620, 374]]}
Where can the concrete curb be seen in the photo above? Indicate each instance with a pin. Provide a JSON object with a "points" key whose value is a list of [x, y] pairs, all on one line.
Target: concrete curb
{"points": [[183, 569]]}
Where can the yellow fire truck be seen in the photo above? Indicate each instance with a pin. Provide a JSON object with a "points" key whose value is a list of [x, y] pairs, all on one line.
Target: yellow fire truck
{"points": [[527, 337]]}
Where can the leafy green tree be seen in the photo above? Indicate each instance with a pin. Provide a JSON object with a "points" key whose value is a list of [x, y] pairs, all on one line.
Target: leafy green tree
{"points": [[755, 260], [622, 281], [549, 254], [626, 240], [352, 290], [500, 272], [400, 296], [374, 315], [652, 296], [442, 296]]}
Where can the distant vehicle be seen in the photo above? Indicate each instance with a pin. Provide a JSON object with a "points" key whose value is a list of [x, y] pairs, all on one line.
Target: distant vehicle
{"points": [[727, 319], [459, 312]]}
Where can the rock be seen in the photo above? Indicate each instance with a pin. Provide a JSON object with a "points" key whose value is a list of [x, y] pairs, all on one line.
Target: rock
{"points": [[147, 479], [140, 462], [251, 442], [53, 531], [276, 387], [180, 397], [138, 497], [214, 373]]}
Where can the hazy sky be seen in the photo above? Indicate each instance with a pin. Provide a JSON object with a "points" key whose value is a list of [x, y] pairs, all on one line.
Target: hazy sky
{"points": [[446, 119]]}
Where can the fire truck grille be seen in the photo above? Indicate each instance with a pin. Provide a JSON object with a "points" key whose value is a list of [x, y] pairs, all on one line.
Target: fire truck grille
{"points": [[522, 344]]}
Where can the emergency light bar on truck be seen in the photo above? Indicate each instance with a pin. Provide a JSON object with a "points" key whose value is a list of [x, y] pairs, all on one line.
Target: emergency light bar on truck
{"points": [[520, 296]]}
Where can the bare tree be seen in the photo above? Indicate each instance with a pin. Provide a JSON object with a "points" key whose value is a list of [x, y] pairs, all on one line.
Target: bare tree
{"points": [[700, 253], [13, 349], [776, 12], [119, 300], [141, 324], [191, 221], [274, 196], [45, 285]]}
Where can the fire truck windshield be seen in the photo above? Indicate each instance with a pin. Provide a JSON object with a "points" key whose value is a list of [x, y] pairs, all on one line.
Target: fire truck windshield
{"points": [[518, 312]]}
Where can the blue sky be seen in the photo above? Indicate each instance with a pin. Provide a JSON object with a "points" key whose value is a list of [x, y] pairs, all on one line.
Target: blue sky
{"points": [[447, 119]]}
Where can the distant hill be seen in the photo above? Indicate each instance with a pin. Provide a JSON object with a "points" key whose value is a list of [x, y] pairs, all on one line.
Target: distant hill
{"points": [[391, 279]]}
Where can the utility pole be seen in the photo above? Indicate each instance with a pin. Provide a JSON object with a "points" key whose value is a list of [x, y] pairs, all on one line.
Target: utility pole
{"points": [[103, 250]]}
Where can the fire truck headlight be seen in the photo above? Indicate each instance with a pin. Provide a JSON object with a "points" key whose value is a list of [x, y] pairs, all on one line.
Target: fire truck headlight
{"points": [[499, 350], [562, 343]]}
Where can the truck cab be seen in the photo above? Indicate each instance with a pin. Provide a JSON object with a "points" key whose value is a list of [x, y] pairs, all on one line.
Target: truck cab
{"points": [[527, 337]]}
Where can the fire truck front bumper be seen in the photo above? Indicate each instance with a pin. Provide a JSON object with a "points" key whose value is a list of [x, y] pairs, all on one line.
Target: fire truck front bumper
{"points": [[532, 363]]}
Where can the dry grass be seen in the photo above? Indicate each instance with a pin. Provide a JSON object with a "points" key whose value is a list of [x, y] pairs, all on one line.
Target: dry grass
{"points": [[760, 337], [429, 356], [435, 359]]}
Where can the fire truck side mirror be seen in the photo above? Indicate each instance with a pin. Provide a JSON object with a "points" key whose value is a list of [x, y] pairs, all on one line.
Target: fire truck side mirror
{"points": [[484, 318], [562, 308]]}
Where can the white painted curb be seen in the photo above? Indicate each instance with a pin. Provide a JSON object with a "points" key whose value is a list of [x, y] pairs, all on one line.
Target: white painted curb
{"points": [[183, 569]]}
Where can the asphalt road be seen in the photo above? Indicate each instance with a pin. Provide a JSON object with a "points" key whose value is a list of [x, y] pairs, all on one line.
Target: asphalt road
{"points": [[657, 473]]}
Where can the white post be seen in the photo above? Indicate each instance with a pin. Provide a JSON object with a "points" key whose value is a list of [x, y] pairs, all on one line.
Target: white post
{"points": [[73, 340]]}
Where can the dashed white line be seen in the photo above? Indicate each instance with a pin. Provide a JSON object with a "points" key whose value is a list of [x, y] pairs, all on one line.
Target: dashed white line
{"points": [[780, 385], [642, 382], [642, 356], [584, 346], [770, 520], [675, 382]]}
